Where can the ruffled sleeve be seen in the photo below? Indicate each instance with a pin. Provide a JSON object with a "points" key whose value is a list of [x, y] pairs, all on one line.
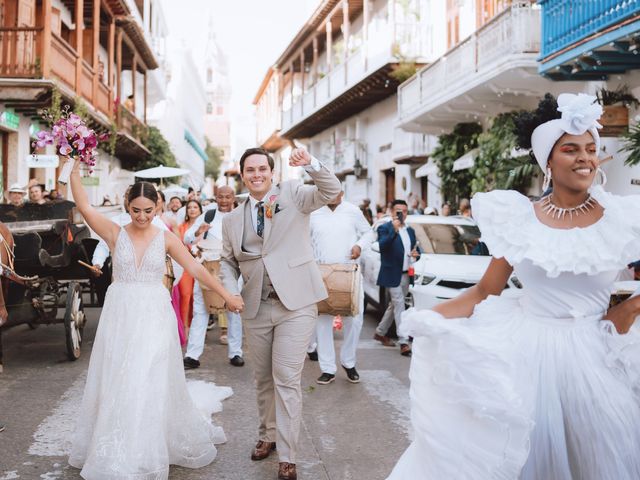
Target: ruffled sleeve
{"points": [[503, 217]]}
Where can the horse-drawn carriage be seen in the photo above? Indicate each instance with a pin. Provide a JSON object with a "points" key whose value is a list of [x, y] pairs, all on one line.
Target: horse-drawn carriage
{"points": [[43, 280]]}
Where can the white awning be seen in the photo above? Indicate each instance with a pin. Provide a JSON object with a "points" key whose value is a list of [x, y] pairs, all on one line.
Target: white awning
{"points": [[465, 161], [426, 169]]}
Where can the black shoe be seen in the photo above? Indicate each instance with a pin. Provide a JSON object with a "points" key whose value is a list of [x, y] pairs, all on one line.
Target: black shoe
{"points": [[237, 361], [325, 379], [190, 363], [2, 427], [352, 374], [212, 322], [313, 356]]}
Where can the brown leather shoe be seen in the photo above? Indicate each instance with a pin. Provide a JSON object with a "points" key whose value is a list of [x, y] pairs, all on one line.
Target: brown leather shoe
{"points": [[287, 471], [263, 450], [405, 350], [384, 340]]}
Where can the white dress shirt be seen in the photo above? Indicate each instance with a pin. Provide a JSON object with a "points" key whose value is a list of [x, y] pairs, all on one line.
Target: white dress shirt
{"points": [[101, 252], [406, 243], [335, 232]]}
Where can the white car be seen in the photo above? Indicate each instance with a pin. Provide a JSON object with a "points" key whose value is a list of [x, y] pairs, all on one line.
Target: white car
{"points": [[451, 262]]}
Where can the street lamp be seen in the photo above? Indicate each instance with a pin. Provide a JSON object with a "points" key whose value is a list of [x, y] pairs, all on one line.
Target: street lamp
{"points": [[357, 168]]}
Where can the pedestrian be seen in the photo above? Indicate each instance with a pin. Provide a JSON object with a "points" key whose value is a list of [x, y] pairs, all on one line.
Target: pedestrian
{"points": [[36, 194], [267, 241], [446, 209], [464, 207], [209, 226], [170, 215], [365, 207], [185, 285], [16, 195], [541, 385], [398, 250], [137, 416], [339, 232]]}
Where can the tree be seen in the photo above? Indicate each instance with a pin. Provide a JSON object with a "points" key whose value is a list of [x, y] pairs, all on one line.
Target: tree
{"points": [[215, 154], [161, 153], [451, 146]]}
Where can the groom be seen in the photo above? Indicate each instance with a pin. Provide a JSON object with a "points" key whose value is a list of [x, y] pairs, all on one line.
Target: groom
{"points": [[267, 241]]}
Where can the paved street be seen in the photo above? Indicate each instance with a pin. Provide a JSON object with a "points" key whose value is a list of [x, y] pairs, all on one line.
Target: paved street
{"points": [[349, 432]]}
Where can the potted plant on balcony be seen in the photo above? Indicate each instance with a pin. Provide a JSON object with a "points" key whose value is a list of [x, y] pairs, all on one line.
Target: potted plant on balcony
{"points": [[615, 105]]}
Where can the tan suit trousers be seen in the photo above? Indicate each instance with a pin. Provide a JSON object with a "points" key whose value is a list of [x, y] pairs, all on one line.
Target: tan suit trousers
{"points": [[277, 339]]}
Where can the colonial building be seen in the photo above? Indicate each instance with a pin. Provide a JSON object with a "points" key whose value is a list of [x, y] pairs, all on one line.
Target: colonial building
{"points": [[597, 43], [333, 89], [98, 56]]}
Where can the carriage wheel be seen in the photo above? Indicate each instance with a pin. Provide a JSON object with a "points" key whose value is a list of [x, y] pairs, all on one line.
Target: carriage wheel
{"points": [[74, 320]]}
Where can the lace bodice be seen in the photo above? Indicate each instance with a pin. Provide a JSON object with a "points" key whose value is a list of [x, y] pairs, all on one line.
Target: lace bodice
{"points": [[565, 273], [148, 269]]}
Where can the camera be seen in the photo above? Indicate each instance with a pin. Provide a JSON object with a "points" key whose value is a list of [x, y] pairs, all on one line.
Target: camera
{"points": [[399, 216]]}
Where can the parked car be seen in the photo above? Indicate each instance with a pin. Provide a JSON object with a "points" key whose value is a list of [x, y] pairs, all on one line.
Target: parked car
{"points": [[452, 261]]}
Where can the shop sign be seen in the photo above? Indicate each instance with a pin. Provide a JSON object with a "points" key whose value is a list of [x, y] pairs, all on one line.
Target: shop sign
{"points": [[10, 120], [635, 181], [91, 181], [42, 161]]}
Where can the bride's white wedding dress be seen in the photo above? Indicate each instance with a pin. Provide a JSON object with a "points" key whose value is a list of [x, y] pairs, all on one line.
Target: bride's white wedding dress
{"points": [[536, 387], [137, 415]]}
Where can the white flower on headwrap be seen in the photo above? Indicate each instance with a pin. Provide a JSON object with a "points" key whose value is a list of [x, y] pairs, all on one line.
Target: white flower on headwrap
{"points": [[579, 112]]}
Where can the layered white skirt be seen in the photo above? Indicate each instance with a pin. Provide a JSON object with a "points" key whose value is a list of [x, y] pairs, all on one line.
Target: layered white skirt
{"points": [[505, 395], [138, 416]]}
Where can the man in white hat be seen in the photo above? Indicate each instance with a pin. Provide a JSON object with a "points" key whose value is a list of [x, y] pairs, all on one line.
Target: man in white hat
{"points": [[16, 195]]}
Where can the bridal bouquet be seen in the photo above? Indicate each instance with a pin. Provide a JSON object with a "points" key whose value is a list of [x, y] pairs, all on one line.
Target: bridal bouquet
{"points": [[73, 139]]}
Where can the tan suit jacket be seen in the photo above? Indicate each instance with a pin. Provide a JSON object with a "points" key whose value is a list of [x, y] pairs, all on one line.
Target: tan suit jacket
{"points": [[286, 254]]}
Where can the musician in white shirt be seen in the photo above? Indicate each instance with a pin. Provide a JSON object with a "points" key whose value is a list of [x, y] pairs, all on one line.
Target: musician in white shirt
{"points": [[225, 198], [339, 232]]}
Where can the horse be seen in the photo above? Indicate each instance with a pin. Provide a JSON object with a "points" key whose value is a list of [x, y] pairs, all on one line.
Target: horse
{"points": [[6, 259]]}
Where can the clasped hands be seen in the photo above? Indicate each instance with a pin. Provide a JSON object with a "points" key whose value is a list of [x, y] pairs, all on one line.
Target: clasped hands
{"points": [[234, 303]]}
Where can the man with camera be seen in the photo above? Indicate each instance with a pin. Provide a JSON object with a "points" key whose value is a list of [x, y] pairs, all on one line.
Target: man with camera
{"points": [[398, 250]]}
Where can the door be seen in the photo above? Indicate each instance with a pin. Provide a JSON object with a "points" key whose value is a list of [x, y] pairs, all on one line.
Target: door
{"points": [[26, 41], [390, 185]]}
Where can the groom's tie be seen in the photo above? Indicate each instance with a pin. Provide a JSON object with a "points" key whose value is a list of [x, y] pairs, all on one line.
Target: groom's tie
{"points": [[260, 221]]}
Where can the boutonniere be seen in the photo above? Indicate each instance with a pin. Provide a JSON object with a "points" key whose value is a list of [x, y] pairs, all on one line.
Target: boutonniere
{"points": [[271, 206]]}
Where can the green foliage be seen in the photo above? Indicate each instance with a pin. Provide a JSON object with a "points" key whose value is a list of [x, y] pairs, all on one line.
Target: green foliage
{"points": [[404, 71], [81, 109], [495, 167], [622, 94], [161, 153], [56, 104], [451, 146], [631, 144], [215, 154]]}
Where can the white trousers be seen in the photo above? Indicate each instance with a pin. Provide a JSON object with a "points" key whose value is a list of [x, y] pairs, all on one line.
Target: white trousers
{"points": [[395, 309], [351, 328], [198, 330]]}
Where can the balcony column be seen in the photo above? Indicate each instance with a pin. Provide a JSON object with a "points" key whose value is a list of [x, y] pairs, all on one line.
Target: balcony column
{"points": [[145, 97], [366, 13], [392, 20], [346, 27], [110, 56], [329, 45], [293, 76], [46, 39], [314, 67], [134, 68], [146, 15], [277, 100], [79, 18], [96, 44], [119, 69], [302, 82]]}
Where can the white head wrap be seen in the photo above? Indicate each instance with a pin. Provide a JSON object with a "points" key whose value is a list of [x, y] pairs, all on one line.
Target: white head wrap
{"points": [[580, 114]]}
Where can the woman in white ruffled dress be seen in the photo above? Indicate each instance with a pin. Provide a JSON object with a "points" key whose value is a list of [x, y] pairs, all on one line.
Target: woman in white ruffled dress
{"points": [[138, 415], [544, 386]]}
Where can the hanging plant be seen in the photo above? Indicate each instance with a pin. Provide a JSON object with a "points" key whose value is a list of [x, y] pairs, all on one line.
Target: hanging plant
{"points": [[631, 145]]}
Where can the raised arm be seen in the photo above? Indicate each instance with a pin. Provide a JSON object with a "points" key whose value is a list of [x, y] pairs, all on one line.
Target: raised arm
{"points": [[492, 283], [178, 251], [326, 185], [100, 224]]}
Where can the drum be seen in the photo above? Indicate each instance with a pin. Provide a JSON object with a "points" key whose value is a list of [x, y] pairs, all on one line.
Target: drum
{"points": [[342, 281], [213, 302]]}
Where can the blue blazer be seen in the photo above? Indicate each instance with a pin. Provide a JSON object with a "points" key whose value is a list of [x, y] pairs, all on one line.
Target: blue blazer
{"points": [[392, 254]]}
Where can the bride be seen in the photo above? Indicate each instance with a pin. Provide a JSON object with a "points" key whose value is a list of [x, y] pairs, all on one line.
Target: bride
{"points": [[546, 385], [137, 416]]}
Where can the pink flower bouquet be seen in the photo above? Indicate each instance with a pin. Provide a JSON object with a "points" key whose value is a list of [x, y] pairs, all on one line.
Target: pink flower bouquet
{"points": [[73, 140]]}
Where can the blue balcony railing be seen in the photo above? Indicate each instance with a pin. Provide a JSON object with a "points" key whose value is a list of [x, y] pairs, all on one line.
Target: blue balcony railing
{"points": [[565, 22]]}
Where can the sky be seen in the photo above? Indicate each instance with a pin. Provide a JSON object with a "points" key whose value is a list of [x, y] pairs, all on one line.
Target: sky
{"points": [[252, 33]]}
